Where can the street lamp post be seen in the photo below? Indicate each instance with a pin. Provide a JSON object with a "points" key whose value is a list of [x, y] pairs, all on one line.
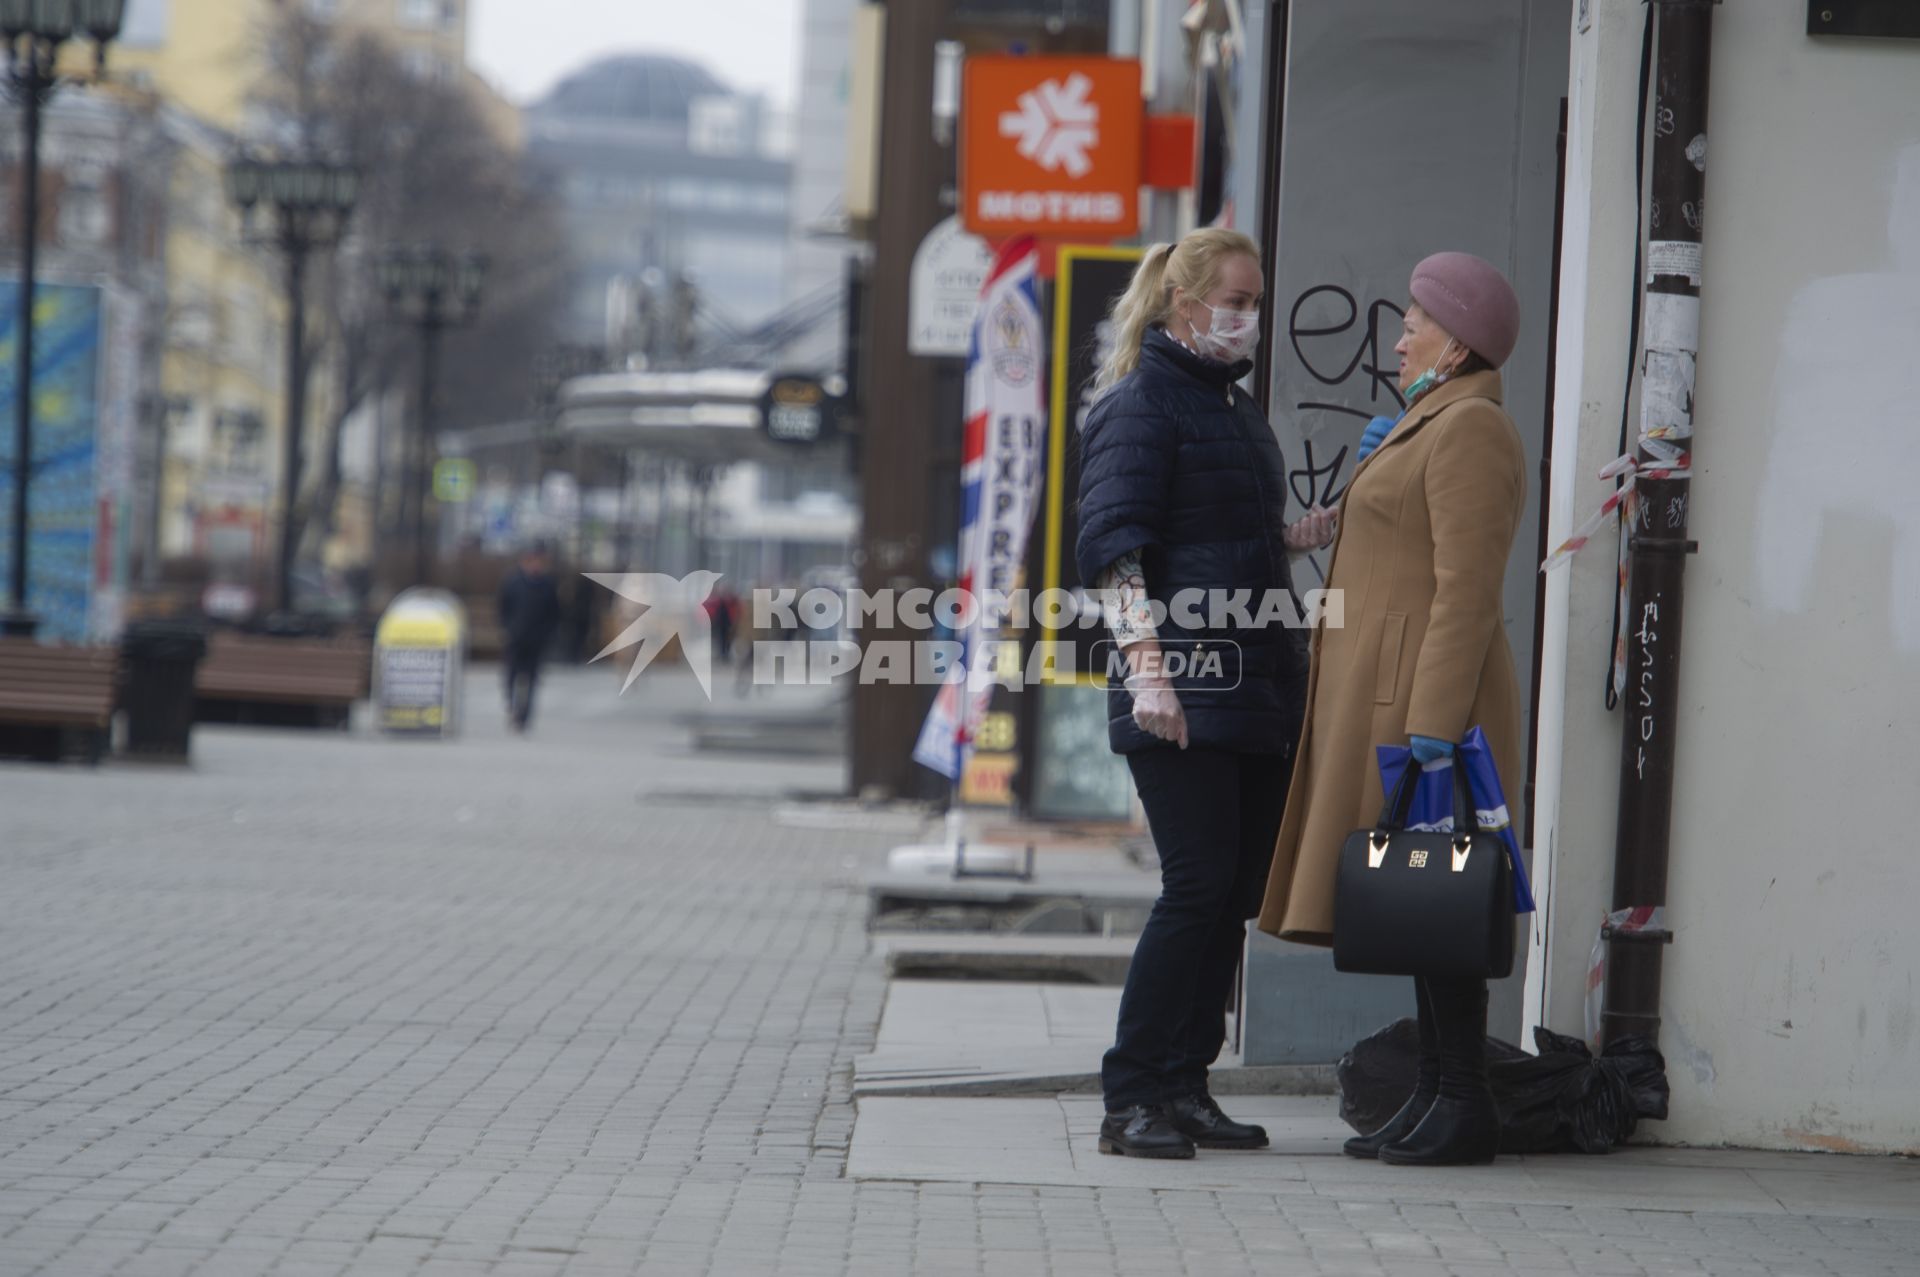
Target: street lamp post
{"points": [[34, 32], [308, 202], [434, 290]]}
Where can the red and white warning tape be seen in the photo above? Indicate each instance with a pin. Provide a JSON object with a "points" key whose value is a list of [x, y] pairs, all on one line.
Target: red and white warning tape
{"points": [[1669, 463]]}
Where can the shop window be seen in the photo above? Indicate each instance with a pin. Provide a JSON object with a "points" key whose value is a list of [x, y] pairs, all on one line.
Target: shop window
{"points": [[426, 66], [426, 14], [86, 218], [239, 438]]}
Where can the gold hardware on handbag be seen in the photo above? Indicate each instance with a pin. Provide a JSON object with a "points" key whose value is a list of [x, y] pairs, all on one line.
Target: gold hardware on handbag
{"points": [[1391, 917]]}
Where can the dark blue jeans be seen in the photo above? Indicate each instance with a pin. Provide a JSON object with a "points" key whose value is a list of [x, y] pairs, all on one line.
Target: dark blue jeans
{"points": [[1214, 817]]}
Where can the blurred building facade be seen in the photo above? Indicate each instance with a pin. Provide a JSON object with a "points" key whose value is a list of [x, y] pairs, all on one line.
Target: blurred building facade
{"points": [[431, 35], [205, 55], [98, 324], [212, 421], [675, 194], [820, 252], [222, 404]]}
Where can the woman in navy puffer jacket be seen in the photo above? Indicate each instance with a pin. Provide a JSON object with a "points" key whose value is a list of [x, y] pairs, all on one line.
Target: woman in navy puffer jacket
{"points": [[1181, 511]]}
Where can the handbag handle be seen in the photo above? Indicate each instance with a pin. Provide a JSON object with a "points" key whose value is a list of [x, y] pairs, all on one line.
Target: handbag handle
{"points": [[1393, 816]]}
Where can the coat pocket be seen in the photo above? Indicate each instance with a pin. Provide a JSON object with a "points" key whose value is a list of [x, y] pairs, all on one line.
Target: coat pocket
{"points": [[1386, 677]]}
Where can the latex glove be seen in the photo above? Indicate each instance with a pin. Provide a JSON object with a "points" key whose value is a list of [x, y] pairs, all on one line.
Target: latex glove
{"points": [[1375, 434], [1314, 532], [1156, 708], [1426, 749]]}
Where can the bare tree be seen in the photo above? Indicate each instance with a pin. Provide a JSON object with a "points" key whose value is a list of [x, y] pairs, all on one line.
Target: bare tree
{"points": [[434, 172]]}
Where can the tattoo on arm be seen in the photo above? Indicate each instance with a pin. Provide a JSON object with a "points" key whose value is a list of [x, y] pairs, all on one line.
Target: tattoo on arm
{"points": [[1128, 607]]}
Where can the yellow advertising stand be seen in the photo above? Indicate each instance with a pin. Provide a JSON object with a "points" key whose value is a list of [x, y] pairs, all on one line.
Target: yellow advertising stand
{"points": [[419, 664]]}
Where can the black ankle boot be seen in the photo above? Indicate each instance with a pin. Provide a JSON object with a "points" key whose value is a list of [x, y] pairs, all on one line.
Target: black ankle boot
{"points": [[1399, 1126], [1462, 1128], [1457, 1131], [1144, 1130], [1198, 1118], [1425, 1087]]}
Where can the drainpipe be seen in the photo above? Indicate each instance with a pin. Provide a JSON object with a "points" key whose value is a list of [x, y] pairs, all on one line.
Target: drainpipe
{"points": [[1655, 519]]}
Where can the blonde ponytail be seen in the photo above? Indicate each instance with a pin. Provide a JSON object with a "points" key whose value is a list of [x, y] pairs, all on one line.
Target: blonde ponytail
{"points": [[1139, 308], [1193, 265]]}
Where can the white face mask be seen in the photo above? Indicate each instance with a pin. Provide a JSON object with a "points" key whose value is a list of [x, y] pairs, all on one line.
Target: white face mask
{"points": [[1232, 336]]}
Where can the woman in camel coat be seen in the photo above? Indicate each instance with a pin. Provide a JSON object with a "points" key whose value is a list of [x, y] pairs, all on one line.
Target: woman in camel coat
{"points": [[1425, 530]]}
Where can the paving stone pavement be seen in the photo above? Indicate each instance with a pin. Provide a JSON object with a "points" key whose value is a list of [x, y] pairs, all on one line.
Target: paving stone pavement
{"points": [[578, 1004]]}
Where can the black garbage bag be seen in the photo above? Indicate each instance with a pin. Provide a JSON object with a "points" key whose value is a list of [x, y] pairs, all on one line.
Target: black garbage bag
{"points": [[1564, 1099]]}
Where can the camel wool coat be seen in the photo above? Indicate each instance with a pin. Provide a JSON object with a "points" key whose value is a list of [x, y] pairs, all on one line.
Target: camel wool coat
{"points": [[1425, 529]]}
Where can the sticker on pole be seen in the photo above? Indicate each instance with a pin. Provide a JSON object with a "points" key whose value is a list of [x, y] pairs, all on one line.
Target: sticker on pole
{"points": [[1051, 146], [1677, 257]]}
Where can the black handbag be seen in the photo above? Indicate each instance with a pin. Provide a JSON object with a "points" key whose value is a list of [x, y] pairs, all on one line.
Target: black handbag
{"points": [[1414, 902]]}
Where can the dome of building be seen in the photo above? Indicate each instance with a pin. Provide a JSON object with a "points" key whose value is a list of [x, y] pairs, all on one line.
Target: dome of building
{"points": [[644, 86]]}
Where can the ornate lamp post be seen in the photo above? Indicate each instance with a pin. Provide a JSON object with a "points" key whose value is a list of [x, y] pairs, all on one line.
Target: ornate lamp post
{"points": [[35, 31], [434, 290], [306, 204]]}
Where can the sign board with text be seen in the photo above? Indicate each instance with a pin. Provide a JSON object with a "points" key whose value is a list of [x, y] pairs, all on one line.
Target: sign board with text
{"points": [[949, 270], [798, 409], [1075, 777], [453, 480], [1051, 147], [419, 659], [1087, 283]]}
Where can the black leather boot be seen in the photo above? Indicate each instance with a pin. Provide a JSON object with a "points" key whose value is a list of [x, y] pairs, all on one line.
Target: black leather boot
{"points": [[1199, 1118], [1463, 1126], [1426, 1085], [1144, 1130]]}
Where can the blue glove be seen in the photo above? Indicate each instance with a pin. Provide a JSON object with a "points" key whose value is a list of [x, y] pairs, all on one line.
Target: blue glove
{"points": [[1427, 750], [1376, 433]]}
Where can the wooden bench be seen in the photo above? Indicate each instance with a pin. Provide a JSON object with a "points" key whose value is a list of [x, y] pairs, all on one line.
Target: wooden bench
{"points": [[52, 697], [282, 682]]}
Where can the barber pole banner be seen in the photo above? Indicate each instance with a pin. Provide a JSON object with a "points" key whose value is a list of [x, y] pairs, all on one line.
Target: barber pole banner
{"points": [[1000, 471]]}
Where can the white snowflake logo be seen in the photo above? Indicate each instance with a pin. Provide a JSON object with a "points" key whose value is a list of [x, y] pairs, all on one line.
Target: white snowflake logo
{"points": [[1056, 125]]}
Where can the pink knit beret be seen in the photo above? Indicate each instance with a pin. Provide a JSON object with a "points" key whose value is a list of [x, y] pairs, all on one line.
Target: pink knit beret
{"points": [[1472, 300]]}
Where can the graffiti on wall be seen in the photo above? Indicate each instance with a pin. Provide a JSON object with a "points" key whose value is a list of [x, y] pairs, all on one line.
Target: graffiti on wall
{"points": [[1345, 349]]}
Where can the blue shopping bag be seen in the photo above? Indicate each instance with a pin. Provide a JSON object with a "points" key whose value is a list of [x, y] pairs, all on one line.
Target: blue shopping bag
{"points": [[1433, 799]]}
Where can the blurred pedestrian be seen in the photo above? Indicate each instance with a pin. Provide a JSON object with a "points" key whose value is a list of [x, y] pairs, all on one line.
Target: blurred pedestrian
{"points": [[723, 612], [529, 615], [583, 609]]}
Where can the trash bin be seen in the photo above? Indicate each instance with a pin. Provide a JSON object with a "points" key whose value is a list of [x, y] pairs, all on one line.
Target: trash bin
{"points": [[162, 659]]}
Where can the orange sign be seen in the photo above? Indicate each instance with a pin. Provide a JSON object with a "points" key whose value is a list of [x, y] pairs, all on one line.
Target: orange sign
{"points": [[1051, 146]]}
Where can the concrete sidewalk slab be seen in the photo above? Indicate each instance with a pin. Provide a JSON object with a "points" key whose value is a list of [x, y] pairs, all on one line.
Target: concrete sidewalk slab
{"points": [[1109, 899], [937, 1036], [1011, 1039], [1035, 1141], [906, 819], [949, 1015], [999, 956]]}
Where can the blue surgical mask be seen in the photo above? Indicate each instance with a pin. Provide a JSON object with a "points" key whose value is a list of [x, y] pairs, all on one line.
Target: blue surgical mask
{"points": [[1430, 378]]}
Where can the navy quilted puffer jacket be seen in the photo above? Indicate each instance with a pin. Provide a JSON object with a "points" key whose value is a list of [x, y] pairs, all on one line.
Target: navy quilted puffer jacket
{"points": [[1177, 461]]}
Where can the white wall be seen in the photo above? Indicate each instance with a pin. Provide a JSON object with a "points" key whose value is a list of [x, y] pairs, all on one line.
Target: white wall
{"points": [[1790, 1014]]}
